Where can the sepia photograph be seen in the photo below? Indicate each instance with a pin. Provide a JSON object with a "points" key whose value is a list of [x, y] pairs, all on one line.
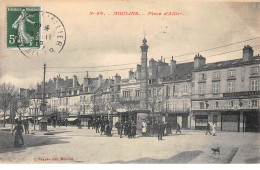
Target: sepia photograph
{"points": [[129, 82]]}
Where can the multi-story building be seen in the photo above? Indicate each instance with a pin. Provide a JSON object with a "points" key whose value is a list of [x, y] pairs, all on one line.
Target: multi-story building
{"points": [[227, 93], [169, 91]]}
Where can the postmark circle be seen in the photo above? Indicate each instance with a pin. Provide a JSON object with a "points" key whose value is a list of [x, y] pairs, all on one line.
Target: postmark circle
{"points": [[47, 38]]}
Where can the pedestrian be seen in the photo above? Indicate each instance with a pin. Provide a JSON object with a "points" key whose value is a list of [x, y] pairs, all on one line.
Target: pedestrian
{"points": [[97, 125], [214, 129], [89, 122], [102, 124], [126, 128], [18, 138], [148, 128], [120, 129], [25, 126], [160, 131], [178, 129], [133, 130], [129, 130], [94, 123], [66, 122], [144, 126], [108, 130], [163, 128], [208, 129]]}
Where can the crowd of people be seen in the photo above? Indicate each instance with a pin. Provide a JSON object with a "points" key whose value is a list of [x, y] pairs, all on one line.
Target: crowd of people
{"points": [[102, 125], [127, 128]]}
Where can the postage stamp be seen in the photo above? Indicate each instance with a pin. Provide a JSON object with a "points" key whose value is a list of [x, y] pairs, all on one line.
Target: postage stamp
{"points": [[23, 27]]}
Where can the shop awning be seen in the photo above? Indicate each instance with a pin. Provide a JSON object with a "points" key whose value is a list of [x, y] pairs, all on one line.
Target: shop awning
{"points": [[71, 119], [121, 110], [39, 118]]}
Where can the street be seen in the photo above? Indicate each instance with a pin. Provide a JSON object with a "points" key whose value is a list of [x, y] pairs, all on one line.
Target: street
{"points": [[73, 145]]}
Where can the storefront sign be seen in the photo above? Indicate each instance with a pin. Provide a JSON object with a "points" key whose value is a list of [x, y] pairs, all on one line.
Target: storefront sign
{"points": [[239, 94]]}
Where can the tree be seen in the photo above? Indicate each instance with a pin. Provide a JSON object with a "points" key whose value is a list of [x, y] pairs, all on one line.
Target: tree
{"points": [[130, 104], [8, 94], [156, 103]]}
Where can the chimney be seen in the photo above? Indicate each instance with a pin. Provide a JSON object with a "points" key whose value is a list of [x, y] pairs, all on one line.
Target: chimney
{"points": [[138, 72], [117, 79], [152, 68], [75, 81], [248, 53], [100, 77], [58, 83], [130, 74], [85, 82], [199, 61], [173, 65], [66, 77], [160, 65]]}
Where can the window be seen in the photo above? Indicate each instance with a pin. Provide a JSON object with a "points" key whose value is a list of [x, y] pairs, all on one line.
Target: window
{"points": [[231, 73], [215, 105], [231, 86], [201, 89], [202, 76], [216, 75], [126, 93], [149, 93], [185, 104], [174, 104], [167, 91], [185, 88], [254, 70], [154, 92], [254, 85], [254, 103], [149, 81], [137, 93], [202, 105], [215, 118], [215, 87], [231, 103]]}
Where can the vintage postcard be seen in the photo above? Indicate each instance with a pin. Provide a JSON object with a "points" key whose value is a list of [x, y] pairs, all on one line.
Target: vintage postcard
{"points": [[129, 82]]}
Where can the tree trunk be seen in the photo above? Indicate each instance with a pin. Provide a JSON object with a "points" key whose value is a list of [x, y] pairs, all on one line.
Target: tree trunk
{"points": [[4, 117]]}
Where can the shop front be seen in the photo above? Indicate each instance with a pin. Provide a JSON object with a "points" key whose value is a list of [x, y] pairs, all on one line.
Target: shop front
{"points": [[181, 119], [252, 121], [230, 121], [200, 119]]}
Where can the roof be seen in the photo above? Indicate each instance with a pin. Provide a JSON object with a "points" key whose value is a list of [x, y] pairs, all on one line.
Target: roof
{"points": [[229, 64], [182, 71]]}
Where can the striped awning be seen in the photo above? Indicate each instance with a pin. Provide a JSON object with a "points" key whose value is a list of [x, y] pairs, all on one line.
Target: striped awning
{"points": [[71, 119]]}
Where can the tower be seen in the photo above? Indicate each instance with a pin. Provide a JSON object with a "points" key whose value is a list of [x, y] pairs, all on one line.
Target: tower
{"points": [[144, 83]]}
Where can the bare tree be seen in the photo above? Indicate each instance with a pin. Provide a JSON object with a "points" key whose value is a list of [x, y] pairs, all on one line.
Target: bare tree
{"points": [[130, 104], [8, 94], [156, 103]]}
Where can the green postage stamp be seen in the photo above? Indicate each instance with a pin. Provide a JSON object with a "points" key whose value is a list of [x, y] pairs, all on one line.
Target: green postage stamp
{"points": [[23, 27]]}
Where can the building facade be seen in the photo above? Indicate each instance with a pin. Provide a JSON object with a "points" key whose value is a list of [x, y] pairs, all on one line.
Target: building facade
{"points": [[227, 93]]}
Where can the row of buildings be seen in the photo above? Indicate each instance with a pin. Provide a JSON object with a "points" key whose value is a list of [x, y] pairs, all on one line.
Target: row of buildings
{"points": [[191, 94]]}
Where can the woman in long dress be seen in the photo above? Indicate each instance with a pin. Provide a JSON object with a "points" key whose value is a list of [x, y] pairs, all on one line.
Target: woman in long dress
{"points": [[144, 126], [214, 129], [18, 138], [23, 37]]}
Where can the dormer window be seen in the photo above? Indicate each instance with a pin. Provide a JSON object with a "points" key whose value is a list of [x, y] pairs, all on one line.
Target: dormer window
{"points": [[231, 73], [202, 76], [254, 71], [216, 75]]}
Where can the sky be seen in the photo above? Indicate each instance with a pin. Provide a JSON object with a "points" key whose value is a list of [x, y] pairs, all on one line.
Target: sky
{"points": [[94, 40]]}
